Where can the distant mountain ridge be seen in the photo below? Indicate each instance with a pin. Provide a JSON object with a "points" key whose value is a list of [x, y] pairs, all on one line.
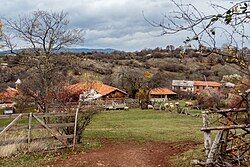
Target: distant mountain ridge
{"points": [[72, 50], [87, 50]]}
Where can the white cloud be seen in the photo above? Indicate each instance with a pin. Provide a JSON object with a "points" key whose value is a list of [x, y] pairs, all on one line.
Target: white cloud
{"points": [[110, 23]]}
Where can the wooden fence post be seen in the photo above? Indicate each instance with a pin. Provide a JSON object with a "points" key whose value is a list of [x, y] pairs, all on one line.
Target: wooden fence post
{"points": [[76, 118], [214, 148], [207, 134], [75, 130], [29, 130]]}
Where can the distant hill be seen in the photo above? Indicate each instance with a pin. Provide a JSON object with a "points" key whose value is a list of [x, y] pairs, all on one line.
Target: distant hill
{"points": [[72, 50], [163, 64], [87, 50]]}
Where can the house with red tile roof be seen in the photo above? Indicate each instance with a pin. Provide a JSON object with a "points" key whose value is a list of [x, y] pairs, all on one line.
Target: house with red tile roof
{"points": [[161, 94], [194, 86], [94, 90], [8, 95], [201, 85]]}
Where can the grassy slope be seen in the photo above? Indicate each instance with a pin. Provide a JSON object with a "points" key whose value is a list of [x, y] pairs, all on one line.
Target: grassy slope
{"points": [[131, 125]]}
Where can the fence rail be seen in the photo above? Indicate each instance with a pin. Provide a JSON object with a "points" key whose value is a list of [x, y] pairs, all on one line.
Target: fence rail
{"points": [[40, 121], [26, 115], [229, 132]]}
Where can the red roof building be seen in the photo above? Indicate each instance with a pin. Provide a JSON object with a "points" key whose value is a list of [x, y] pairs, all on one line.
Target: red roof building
{"points": [[106, 91], [161, 94], [200, 85], [8, 95]]}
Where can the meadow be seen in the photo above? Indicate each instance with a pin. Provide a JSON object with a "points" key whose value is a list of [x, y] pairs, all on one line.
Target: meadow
{"points": [[131, 125]]}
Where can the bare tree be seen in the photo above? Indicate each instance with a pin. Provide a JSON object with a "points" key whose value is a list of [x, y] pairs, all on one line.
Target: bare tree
{"points": [[131, 80], [138, 84], [206, 29], [3, 72], [44, 34], [1, 27]]}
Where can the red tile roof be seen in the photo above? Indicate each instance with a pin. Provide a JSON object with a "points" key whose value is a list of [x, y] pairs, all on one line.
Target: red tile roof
{"points": [[207, 83], [97, 86], [8, 95], [162, 91]]}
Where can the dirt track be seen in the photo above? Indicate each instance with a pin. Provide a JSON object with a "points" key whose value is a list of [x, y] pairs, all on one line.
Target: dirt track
{"points": [[128, 154]]}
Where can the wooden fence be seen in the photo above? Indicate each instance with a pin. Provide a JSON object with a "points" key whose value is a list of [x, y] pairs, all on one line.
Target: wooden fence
{"points": [[231, 144], [52, 124], [131, 103]]}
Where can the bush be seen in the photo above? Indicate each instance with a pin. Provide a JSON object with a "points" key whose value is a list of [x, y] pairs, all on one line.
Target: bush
{"points": [[233, 100], [208, 98], [174, 67], [157, 55], [207, 73], [84, 118], [186, 95]]}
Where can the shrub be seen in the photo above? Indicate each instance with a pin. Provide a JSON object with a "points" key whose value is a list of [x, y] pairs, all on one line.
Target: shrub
{"points": [[157, 55], [84, 118], [233, 100], [207, 73], [186, 95], [174, 67], [208, 98]]}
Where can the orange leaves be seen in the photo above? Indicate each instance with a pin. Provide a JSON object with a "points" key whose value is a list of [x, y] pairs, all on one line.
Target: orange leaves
{"points": [[147, 74]]}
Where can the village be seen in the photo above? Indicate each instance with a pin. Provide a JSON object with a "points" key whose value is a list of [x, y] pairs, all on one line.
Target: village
{"points": [[105, 83], [61, 117], [115, 98]]}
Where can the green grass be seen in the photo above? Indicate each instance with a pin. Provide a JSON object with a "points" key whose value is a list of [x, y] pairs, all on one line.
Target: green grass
{"points": [[184, 159], [150, 125], [22, 121], [134, 124], [31, 160], [145, 125]]}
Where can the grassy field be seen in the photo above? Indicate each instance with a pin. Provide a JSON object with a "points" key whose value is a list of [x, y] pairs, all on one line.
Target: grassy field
{"points": [[145, 125], [136, 124]]}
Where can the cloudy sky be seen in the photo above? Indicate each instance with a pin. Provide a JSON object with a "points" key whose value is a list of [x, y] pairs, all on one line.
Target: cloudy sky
{"points": [[117, 24]]}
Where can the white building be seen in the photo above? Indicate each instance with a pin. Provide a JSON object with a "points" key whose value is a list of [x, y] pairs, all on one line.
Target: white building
{"points": [[183, 85]]}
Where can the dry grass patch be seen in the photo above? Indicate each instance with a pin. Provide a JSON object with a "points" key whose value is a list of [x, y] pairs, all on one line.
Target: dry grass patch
{"points": [[37, 146], [12, 144]]}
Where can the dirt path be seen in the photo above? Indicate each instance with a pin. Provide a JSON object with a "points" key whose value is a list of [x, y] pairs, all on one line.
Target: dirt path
{"points": [[128, 154]]}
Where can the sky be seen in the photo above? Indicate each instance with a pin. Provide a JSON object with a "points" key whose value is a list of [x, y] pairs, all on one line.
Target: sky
{"points": [[117, 24]]}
